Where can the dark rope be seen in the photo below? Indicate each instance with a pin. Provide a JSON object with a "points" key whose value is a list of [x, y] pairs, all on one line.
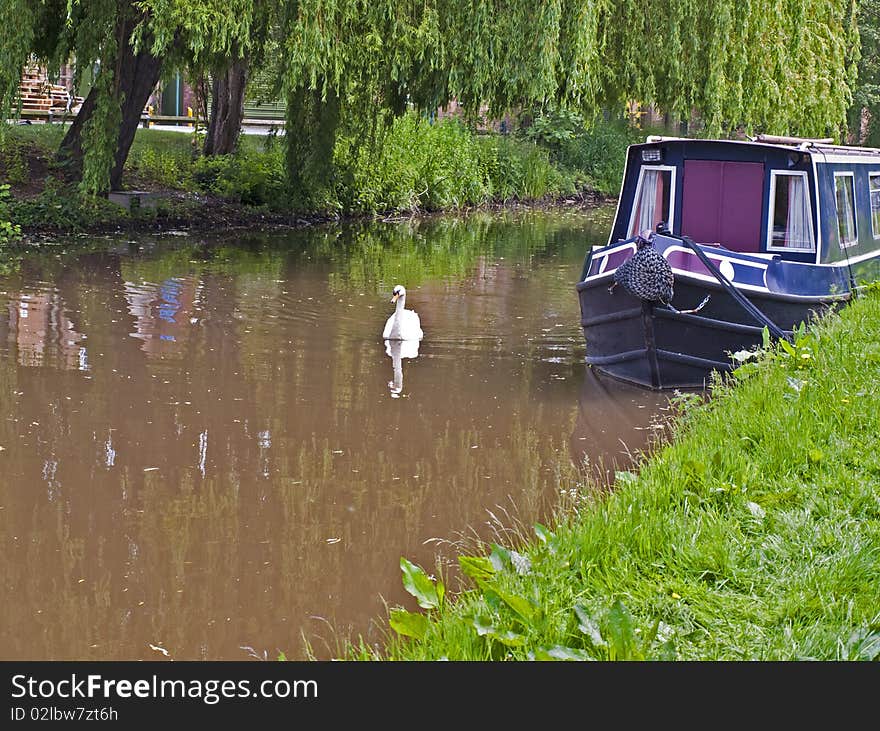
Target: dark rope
{"points": [[774, 329]]}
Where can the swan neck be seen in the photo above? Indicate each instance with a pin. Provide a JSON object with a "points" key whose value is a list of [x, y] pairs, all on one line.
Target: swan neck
{"points": [[400, 304]]}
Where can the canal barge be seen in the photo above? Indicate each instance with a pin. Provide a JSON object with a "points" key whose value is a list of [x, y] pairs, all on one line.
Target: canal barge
{"points": [[716, 242]]}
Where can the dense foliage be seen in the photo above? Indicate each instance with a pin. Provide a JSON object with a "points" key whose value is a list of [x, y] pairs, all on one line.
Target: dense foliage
{"points": [[865, 112], [597, 147], [420, 166], [8, 230], [126, 41], [347, 67]]}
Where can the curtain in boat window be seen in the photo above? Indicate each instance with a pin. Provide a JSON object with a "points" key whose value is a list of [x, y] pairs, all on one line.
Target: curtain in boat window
{"points": [[874, 179], [846, 214], [791, 212], [652, 204], [797, 228]]}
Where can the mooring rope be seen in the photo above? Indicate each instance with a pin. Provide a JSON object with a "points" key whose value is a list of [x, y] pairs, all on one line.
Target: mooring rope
{"points": [[747, 304]]}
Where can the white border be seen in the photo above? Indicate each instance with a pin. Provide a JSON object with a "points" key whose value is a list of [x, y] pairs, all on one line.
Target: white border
{"points": [[853, 158], [820, 238], [771, 210], [718, 260], [873, 174], [619, 195], [637, 196], [852, 177]]}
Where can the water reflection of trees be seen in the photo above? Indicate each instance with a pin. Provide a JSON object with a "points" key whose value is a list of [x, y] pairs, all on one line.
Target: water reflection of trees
{"points": [[231, 486], [377, 256]]}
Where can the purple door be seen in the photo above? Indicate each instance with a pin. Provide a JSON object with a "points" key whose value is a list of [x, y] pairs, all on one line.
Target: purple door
{"points": [[721, 203]]}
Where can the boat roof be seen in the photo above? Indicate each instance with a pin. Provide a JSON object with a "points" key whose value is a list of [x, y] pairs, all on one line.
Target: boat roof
{"points": [[803, 144]]}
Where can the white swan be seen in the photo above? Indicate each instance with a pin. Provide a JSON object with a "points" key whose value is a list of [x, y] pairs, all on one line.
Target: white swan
{"points": [[403, 324]]}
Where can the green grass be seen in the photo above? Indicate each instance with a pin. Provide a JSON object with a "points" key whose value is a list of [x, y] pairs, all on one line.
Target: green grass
{"points": [[43, 136], [752, 534]]}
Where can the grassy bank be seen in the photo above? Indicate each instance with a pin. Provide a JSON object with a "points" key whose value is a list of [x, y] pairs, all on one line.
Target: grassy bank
{"points": [[419, 167], [753, 534]]}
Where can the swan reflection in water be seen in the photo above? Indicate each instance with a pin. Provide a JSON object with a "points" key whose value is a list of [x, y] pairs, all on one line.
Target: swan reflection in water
{"points": [[398, 350]]}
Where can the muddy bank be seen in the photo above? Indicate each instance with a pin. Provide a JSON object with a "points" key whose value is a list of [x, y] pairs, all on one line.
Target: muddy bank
{"points": [[199, 212]]}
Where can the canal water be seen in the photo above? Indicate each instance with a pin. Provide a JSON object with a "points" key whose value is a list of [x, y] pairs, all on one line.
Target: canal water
{"points": [[207, 451]]}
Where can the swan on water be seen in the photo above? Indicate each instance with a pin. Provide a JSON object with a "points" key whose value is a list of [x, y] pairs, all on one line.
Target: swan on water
{"points": [[403, 324]]}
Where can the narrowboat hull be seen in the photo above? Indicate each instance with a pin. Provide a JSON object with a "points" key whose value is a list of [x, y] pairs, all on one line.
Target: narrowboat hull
{"points": [[651, 345], [715, 242]]}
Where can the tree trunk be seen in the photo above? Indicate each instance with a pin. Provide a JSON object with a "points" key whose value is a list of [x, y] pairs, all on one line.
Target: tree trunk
{"points": [[70, 152], [135, 75], [139, 74], [227, 108]]}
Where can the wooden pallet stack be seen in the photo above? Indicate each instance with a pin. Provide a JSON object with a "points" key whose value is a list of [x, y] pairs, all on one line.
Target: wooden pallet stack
{"points": [[38, 94]]}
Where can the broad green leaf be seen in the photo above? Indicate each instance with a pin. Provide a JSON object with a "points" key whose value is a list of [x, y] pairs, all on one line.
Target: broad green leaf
{"points": [[485, 628], [417, 583], [588, 626], [508, 638], [483, 625], [523, 607], [621, 633], [478, 568], [499, 558], [408, 623], [544, 535], [560, 652], [694, 467], [787, 346], [491, 596]]}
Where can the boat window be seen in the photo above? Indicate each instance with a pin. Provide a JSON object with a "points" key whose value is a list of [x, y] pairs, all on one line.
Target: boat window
{"points": [[874, 184], [791, 221], [846, 212], [653, 201]]}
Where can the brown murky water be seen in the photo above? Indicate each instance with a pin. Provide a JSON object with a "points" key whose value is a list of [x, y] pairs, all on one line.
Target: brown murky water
{"points": [[205, 446]]}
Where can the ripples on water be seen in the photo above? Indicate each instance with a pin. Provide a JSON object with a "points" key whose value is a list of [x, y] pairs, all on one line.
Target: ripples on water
{"points": [[207, 446]]}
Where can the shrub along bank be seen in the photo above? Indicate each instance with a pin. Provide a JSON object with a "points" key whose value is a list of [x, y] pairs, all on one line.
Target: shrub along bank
{"points": [[419, 166], [753, 534]]}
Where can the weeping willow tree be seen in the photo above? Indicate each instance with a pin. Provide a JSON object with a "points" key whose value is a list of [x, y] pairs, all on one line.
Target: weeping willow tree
{"points": [[19, 22], [99, 34], [125, 44], [753, 65], [229, 70], [864, 115], [758, 65]]}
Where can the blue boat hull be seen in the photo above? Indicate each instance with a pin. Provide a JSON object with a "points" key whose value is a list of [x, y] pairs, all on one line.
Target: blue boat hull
{"points": [[653, 346], [774, 229]]}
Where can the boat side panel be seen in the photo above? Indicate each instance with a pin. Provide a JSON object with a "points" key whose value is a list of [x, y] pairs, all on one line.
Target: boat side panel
{"points": [[867, 246]]}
